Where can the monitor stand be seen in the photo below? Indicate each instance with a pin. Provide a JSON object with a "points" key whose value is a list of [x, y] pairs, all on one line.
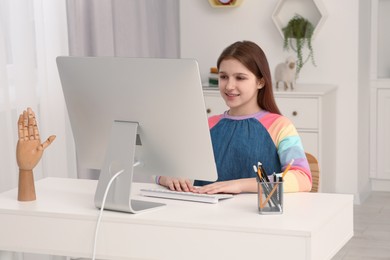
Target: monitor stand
{"points": [[120, 156]]}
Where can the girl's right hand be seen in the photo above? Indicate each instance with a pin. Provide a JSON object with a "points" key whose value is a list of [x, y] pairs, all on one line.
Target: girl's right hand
{"points": [[177, 184]]}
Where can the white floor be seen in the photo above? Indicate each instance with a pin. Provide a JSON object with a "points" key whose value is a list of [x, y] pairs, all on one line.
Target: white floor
{"points": [[371, 240]]}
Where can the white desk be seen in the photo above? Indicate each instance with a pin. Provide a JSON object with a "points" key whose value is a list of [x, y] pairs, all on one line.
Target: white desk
{"points": [[63, 219]]}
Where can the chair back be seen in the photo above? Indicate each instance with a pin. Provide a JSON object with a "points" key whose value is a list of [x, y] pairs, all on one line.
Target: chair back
{"points": [[315, 171]]}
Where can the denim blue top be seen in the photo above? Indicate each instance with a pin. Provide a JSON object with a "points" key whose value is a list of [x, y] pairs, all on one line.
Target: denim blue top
{"points": [[238, 144]]}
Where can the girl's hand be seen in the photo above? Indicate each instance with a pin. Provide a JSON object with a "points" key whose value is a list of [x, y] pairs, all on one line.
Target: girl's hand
{"points": [[177, 184], [233, 186]]}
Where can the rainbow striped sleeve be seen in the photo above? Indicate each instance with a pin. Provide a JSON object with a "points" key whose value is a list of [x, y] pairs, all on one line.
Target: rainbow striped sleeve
{"points": [[289, 146], [213, 120]]}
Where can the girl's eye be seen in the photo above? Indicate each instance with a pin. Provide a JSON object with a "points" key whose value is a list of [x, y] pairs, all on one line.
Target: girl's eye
{"points": [[223, 77], [240, 78]]}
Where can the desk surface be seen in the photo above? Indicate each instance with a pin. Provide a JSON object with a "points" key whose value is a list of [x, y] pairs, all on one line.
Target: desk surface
{"points": [[63, 218]]}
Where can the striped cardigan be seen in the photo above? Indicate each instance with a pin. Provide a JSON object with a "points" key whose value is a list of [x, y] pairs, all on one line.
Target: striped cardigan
{"points": [[288, 144]]}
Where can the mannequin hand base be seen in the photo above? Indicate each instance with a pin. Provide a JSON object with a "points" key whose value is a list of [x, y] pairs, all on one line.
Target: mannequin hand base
{"points": [[26, 187]]}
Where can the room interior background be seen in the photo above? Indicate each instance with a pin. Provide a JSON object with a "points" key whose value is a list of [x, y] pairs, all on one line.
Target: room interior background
{"points": [[342, 59], [95, 29], [33, 33]]}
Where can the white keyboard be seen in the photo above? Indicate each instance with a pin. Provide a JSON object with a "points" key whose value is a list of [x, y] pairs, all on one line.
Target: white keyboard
{"points": [[182, 195]]}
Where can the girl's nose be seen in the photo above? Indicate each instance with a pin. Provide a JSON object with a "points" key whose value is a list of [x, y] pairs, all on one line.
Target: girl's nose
{"points": [[229, 84]]}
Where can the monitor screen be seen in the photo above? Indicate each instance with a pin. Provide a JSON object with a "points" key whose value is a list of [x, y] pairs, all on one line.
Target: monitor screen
{"points": [[162, 97]]}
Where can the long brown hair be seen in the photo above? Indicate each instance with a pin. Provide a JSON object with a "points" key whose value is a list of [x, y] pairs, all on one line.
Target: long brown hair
{"points": [[254, 59]]}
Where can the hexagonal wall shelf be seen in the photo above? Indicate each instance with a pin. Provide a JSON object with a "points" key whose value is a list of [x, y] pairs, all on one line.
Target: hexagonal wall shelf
{"points": [[312, 10]]}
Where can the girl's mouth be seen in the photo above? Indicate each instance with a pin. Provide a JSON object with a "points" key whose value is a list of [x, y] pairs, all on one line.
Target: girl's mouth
{"points": [[232, 95]]}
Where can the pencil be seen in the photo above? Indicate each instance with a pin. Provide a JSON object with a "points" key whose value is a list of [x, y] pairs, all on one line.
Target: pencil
{"points": [[262, 171], [270, 196], [266, 183], [261, 197], [277, 184], [260, 178], [287, 168]]}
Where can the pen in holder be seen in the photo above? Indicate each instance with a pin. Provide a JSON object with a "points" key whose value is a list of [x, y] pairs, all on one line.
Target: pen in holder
{"points": [[270, 197]]}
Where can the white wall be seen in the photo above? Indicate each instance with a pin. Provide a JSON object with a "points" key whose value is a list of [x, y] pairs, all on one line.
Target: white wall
{"points": [[205, 31]]}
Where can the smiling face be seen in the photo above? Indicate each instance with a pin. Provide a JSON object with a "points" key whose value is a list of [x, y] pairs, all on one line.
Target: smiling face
{"points": [[239, 87]]}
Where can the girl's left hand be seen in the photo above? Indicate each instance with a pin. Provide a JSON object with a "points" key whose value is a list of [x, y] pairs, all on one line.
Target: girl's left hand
{"points": [[232, 186]]}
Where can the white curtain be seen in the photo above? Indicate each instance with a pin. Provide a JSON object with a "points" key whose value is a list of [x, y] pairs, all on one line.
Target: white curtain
{"points": [[128, 28], [32, 34]]}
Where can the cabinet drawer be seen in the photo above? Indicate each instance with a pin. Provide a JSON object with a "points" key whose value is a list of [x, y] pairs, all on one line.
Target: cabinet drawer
{"points": [[303, 112], [310, 143], [215, 104]]}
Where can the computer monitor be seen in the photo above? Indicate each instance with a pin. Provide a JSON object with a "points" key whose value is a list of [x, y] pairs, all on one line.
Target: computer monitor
{"points": [[128, 110]]}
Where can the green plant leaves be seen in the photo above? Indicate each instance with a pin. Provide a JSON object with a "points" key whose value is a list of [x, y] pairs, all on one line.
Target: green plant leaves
{"points": [[297, 33]]}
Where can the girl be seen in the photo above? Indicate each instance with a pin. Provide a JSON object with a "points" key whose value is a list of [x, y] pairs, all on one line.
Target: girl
{"points": [[251, 131]]}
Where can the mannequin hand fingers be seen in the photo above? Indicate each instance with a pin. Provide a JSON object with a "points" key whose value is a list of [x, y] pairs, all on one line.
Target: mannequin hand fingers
{"points": [[49, 140]]}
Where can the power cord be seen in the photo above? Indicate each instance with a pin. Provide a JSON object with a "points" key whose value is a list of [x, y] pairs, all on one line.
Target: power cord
{"points": [[102, 207]]}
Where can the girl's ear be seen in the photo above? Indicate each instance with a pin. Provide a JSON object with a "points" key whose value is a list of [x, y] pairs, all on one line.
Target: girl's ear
{"points": [[260, 83]]}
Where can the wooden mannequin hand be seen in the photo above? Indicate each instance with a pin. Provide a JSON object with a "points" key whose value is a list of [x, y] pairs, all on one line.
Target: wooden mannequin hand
{"points": [[29, 151]]}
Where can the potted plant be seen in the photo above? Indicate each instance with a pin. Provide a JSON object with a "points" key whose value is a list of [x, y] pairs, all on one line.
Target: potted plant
{"points": [[297, 34]]}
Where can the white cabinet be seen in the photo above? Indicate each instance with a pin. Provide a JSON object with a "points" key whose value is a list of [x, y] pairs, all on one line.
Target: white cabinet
{"points": [[383, 133], [312, 109], [380, 96], [304, 113], [380, 136]]}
